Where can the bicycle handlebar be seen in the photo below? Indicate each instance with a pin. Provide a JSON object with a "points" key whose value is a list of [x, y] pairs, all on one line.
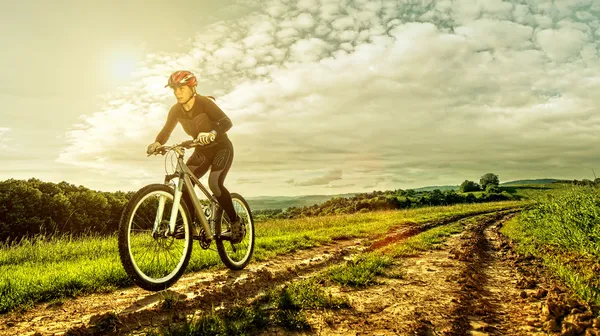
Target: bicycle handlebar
{"points": [[186, 144]]}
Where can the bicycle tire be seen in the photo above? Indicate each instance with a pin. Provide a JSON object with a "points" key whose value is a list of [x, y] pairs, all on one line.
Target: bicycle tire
{"points": [[222, 244], [127, 260]]}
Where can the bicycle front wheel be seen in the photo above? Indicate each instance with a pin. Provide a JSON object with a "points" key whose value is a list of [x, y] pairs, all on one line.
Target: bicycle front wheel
{"points": [[236, 256], [154, 259]]}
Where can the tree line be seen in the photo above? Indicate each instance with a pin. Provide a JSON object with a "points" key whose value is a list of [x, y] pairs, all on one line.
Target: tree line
{"points": [[396, 199], [583, 182], [31, 207]]}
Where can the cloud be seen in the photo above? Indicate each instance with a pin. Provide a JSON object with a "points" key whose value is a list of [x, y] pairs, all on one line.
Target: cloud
{"points": [[339, 186], [414, 92], [4, 138], [305, 21], [309, 50], [330, 176], [243, 180], [377, 181], [560, 44]]}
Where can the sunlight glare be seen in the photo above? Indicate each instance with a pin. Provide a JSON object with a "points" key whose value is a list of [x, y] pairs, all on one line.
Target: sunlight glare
{"points": [[122, 65]]}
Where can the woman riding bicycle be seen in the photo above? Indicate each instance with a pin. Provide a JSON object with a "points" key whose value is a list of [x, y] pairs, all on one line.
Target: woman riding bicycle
{"points": [[202, 119]]}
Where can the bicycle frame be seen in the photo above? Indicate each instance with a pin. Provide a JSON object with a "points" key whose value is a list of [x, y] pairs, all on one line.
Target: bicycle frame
{"points": [[185, 177]]}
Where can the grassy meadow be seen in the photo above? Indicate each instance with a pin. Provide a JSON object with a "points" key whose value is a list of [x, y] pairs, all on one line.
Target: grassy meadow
{"points": [[563, 230], [39, 270]]}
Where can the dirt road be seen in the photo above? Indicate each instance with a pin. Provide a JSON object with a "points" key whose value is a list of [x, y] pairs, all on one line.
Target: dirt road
{"points": [[473, 284]]}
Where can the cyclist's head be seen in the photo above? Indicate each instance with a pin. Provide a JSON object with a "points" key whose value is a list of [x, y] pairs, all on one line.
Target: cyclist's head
{"points": [[183, 83]]}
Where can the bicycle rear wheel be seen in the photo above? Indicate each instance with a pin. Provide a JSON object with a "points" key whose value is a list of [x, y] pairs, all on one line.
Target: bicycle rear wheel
{"points": [[156, 260], [236, 256]]}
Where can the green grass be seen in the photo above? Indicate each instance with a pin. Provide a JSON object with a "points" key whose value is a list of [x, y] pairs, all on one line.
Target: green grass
{"points": [[582, 281], [567, 219], [361, 271], [284, 307], [239, 320], [563, 230], [577, 275], [533, 191], [40, 270]]}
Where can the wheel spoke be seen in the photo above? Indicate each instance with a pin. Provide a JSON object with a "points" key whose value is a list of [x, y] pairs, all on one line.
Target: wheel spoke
{"points": [[153, 260], [236, 256]]}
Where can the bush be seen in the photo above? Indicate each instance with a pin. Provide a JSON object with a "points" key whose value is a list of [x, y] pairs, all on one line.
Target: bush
{"points": [[493, 189], [468, 186]]}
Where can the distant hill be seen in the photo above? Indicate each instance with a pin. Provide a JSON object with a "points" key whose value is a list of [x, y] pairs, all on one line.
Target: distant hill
{"points": [[441, 188], [284, 202], [533, 181], [516, 182]]}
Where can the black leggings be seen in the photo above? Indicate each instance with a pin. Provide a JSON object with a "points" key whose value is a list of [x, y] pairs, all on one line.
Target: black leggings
{"points": [[219, 158]]}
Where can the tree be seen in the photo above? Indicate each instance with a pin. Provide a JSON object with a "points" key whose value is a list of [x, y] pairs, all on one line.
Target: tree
{"points": [[493, 189], [467, 186], [436, 197], [451, 197], [489, 178]]}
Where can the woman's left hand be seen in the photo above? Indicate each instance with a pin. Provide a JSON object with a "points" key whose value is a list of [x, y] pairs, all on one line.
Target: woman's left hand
{"points": [[205, 138]]}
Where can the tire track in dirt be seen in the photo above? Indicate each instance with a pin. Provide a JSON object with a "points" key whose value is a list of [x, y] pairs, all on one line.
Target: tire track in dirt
{"points": [[502, 293], [473, 309], [394, 235], [127, 310]]}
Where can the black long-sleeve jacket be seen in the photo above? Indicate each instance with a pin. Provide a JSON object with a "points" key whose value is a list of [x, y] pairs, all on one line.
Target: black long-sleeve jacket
{"points": [[204, 116]]}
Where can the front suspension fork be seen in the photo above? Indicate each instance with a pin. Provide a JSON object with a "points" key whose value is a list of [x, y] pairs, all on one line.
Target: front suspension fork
{"points": [[174, 210]]}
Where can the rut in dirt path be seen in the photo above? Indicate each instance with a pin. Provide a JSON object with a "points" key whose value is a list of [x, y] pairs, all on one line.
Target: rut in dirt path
{"points": [[472, 303], [490, 297]]}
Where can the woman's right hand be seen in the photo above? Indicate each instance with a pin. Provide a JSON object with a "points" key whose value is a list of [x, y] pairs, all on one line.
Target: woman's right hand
{"points": [[153, 147], [204, 138]]}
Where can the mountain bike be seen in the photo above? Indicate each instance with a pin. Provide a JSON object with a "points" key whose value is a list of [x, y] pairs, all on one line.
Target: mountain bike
{"points": [[156, 232]]}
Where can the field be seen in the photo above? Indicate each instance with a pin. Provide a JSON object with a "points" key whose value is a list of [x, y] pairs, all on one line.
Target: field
{"points": [[494, 268]]}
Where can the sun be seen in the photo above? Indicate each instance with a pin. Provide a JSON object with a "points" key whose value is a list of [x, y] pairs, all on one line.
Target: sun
{"points": [[122, 65], [122, 68]]}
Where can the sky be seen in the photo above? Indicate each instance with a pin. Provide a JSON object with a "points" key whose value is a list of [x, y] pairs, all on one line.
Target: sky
{"points": [[326, 97]]}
